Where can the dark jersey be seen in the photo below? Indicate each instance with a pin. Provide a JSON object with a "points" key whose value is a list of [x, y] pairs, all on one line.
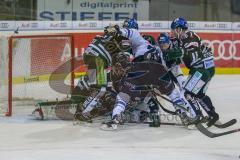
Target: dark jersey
{"points": [[96, 48], [196, 54], [105, 47], [172, 56], [99, 56]]}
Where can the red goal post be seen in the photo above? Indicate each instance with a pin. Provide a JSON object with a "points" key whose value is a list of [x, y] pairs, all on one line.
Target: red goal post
{"points": [[27, 62]]}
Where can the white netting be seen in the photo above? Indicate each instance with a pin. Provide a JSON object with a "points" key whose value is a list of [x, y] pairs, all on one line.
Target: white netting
{"points": [[33, 61]]}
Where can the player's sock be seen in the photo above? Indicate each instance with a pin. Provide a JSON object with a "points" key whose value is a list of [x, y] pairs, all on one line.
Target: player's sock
{"points": [[177, 100], [116, 115], [207, 105], [154, 113], [119, 106]]}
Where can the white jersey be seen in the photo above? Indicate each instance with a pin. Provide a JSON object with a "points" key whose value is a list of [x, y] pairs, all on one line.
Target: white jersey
{"points": [[138, 43]]}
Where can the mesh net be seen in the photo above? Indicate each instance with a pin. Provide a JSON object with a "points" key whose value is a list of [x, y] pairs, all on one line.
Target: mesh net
{"points": [[34, 60]]}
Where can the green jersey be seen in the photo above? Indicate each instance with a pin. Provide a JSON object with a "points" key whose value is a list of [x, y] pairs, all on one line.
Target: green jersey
{"points": [[196, 54], [96, 48], [99, 56]]}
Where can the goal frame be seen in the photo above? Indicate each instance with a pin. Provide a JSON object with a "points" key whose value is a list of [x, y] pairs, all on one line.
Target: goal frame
{"points": [[10, 65]]}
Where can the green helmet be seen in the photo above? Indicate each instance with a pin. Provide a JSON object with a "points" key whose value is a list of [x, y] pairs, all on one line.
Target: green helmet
{"points": [[150, 39]]}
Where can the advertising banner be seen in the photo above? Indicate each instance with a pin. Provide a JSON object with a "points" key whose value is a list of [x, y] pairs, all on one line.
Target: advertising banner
{"points": [[99, 25], [222, 37], [225, 46], [92, 10]]}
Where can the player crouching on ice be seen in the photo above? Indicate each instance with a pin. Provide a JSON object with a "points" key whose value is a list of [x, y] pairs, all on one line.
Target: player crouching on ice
{"points": [[172, 58], [143, 52], [199, 59]]}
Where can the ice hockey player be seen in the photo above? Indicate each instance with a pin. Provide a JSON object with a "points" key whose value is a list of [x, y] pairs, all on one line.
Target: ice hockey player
{"points": [[142, 50], [172, 58], [171, 55], [199, 59], [98, 57]]}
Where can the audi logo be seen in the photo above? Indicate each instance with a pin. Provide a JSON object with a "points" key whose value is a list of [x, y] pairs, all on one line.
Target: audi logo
{"points": [[226, 49], [222, 25], [63, 24], [4, 25], [157, 24], [93, 25]]}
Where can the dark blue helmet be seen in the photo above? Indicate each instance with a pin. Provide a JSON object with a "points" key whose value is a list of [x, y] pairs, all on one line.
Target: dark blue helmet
{"points": [[163, 38], [130, 23], [179, 22]]}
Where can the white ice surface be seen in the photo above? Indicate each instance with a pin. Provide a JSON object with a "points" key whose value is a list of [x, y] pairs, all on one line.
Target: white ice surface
{"points": [[23, 139]]}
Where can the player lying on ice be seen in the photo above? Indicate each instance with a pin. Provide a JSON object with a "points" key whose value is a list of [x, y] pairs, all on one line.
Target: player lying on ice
{"points": [[147, 56], [172, 58]]}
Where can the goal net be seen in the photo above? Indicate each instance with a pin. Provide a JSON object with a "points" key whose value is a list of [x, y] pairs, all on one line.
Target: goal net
{"points": [[27, 64]]}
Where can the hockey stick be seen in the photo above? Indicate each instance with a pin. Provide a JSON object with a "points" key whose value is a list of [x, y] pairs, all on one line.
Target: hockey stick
{"points": [[16, 31], [161, 123], [179, 106], [165, 109], [210, 134], [226, 124]]}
